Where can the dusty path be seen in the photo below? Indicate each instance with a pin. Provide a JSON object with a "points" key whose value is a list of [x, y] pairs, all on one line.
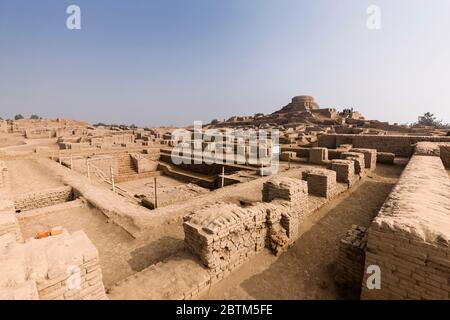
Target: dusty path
{"points": [[306, 270]]}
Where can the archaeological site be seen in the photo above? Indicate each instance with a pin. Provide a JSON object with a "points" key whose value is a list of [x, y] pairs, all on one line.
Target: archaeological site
{"points": [[303, 203], [224, 158]]}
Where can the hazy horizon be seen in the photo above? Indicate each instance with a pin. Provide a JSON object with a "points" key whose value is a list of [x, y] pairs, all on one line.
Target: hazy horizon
{"points": [[171, 62]]}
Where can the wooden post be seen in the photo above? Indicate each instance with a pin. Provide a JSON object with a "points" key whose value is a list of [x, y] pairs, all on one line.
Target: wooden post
{"points": [[60, 160], [53, 155], [71, 162], [289, 162], [223, 176], [262, 169], [112, 179], [156, 194]]}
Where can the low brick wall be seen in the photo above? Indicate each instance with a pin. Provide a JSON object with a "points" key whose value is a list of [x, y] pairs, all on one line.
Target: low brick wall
{"points": [[410, 239], [42, 199], [62, 267], [402, 146], [225, 236]]}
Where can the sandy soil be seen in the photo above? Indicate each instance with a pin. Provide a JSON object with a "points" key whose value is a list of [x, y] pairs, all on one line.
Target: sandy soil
{"points": [[7, 140], [169, 190], [27, 176], [120, 254], [306, 270]]}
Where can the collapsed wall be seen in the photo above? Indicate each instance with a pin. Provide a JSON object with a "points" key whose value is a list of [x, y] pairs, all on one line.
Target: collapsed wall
{"points": [[410, 238], [62, 267]]}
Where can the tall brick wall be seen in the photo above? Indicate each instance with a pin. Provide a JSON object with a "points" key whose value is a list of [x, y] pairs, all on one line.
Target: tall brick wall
{"points": [[410, 239]]}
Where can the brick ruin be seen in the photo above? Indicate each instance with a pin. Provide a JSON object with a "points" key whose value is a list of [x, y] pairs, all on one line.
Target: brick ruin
{"points": [[409, 239], [233, 213]]}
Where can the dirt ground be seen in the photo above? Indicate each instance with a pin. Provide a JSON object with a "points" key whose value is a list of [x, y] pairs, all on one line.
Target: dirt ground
{"points": [[27, 176], [120, 254], [169, 190], [306, 270], [8, 140]]}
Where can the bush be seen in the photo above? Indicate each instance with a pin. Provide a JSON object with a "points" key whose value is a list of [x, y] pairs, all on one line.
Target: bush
{"points": [[35, 117], [18, 117]]}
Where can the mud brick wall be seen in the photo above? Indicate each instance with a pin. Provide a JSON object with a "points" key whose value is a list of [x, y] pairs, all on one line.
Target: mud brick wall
{"points": [[409, 239], [318, 155], [224, 236], [385, 157], [62, 267], [345, 170], [401, 146], [351, 257], [358, 160], [445, 155], [285, 188], [43, 199], [292, 195], [370, 157], [286, 155], [322, 184]]}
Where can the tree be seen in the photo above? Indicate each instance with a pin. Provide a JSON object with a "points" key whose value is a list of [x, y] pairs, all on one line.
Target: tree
{"points": [[215, 121], [34, 117], [428, 119], [18, 117]]}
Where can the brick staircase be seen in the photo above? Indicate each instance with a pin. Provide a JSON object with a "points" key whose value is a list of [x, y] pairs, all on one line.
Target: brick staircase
{"points": [[125, 165]]}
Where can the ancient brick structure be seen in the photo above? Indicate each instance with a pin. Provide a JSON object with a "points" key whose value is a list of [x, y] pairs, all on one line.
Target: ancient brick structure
{"points": [[322, 183], [385, 157], [351, 257], [62, 267], [358, 160], [409, 239], [318, 155], [370, 157], [345, 170], [43, 199]]}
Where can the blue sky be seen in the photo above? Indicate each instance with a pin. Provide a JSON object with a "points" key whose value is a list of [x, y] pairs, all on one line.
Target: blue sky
{"points": [[170, 62]]}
